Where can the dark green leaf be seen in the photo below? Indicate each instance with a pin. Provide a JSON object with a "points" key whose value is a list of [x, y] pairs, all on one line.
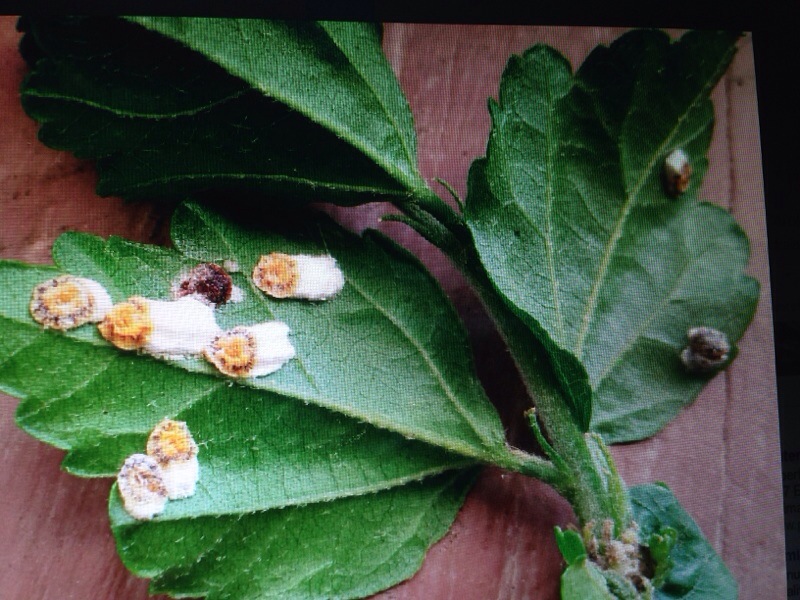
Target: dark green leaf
{"points": [[166, 116], [697, 570], [334, 73], [573, 224]]}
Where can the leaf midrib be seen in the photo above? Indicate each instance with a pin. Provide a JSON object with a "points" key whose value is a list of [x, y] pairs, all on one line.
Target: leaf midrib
{"points": [[358, 141], [123, 113], [631, 199], [410, 155], [550, 192], [655, 313], [323, 497], [427, 436], [437, 375], [145, 184]]}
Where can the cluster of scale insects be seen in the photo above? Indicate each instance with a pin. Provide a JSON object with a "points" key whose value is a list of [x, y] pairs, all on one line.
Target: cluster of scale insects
{"points": [[186, 326], [181, 327]]}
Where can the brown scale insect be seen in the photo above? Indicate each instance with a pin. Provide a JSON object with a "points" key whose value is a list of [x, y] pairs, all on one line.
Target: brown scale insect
{"points": [[208, 282], [707, 350]]}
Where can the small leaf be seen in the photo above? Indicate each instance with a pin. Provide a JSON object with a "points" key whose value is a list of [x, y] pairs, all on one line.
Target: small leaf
{"points": [[697, 570], [573, 224], [584, 581], [660, 544], [165, 117], [570, 544]]}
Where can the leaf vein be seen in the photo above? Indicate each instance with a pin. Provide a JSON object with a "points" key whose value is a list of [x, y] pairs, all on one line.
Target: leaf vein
{"points": [[630, 200], [441, 382]]}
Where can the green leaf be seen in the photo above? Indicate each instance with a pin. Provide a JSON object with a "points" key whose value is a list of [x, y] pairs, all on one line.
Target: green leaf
{"points": [[697, 570], [305, 449], [572, 223], [350, 548], [584, 581], [334, 73], [570, 544], [389, 350], [315, 113], [660, 545]]}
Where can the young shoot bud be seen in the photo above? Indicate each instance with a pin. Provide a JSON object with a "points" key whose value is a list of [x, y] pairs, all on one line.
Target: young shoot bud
{"points": [[251, 351], [141, 486], [207, 282], [174, 449], [65, 302], [162, 328], [676, 173], [707, 350], [298, 276]]}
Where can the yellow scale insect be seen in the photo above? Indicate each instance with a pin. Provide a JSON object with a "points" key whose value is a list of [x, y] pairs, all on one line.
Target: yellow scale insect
{"points": [[298, 276], [66, 301], [160, 327], [169, 471], [251, 351]]}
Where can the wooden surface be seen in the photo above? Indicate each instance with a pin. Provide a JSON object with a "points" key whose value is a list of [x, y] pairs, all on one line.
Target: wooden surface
{"points": [[720, 457]]}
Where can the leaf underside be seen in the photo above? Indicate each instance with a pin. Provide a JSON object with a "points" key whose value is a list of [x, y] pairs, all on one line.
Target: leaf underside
{"points": [[571, 220], [192, 106], [382, 395], [350, 548]]}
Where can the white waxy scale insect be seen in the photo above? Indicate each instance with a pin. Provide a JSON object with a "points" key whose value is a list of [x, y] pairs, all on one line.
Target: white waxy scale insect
{"points": [[251, 351], [164, 328], [66, 301], [707, 350], [141, 486], [298, 276], [676, 173], [174, 449]]}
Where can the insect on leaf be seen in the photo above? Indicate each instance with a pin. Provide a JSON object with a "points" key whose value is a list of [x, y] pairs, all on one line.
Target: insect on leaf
{"points": [[573, 222], [374, 422]]}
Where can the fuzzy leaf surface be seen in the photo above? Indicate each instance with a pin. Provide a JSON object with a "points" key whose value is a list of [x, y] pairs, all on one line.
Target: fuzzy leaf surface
{"points": [[698, 571], [171, 106], [289, 461], [572, 222], [349, 548], [583, 581], [389, 350]]}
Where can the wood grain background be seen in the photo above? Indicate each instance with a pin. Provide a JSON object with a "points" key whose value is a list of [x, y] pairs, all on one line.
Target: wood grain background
{"points": [[720, 456]]}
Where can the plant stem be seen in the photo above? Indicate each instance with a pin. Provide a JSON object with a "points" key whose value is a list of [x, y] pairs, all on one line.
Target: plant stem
{"points": [[427, 201], [587, 488], [586, 475]]}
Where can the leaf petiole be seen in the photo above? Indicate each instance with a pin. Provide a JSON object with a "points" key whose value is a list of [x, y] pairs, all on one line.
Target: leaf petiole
{"points": [[452, 192], [532, 466]]}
